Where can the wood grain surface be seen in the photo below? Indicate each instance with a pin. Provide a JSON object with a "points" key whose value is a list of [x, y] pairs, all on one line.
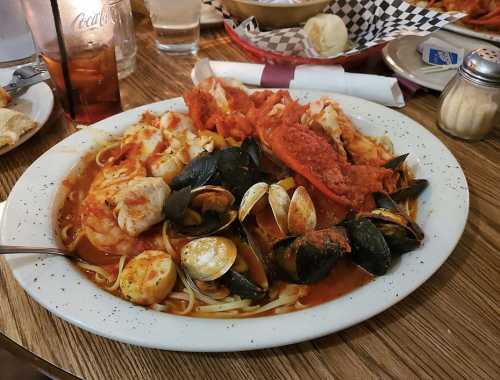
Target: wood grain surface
{"points": [[448, 328]]}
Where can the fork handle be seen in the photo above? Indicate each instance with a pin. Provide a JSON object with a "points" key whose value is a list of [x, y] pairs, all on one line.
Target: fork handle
{"points": [[15, 249]]}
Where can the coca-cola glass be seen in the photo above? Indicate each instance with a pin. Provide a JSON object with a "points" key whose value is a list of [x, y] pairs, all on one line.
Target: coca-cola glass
{"points": [[75, 39]]}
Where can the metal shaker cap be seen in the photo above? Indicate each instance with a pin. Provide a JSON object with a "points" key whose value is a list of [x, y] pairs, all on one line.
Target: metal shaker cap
{"points": [[482, 66]]}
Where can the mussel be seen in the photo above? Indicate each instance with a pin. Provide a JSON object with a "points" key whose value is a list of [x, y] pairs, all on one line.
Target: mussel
{"points": [[309, 258], [294, 216], [399, 234], [412, 190], [203, 211], [235, 168], [378, 236], [369, 248]]}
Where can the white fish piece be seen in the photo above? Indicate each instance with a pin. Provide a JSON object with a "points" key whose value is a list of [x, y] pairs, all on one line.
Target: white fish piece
{"points": [[139, 204], [146, 136]]}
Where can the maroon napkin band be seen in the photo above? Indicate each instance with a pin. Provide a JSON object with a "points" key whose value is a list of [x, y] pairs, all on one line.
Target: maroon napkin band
{"points": [[277, 76]]}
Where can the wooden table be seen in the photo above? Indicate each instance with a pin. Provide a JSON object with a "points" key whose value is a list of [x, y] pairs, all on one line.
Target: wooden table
{"points": [[448, 328]]}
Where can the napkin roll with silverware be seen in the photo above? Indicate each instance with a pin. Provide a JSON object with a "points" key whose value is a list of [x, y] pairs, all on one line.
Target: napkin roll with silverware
{"points": [[331, 78]]}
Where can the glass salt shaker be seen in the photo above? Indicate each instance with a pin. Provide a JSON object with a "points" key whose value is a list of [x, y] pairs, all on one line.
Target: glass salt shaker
{"points": [[470, 104]]}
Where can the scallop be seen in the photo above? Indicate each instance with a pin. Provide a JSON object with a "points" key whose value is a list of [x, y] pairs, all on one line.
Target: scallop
{"points": [[301, 214], [208, 258], [148, 278]]}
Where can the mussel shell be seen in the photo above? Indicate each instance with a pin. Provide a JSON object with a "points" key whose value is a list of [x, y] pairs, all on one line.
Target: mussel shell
{"points": [[398, 233], [399, 238], [198, 172], [236, 171], [304, 261], [384, 201], [412, 190], [252, 147], [239, 284], [260, 265], [369, 248], [396, 162], [177, 203], [212, 223]]}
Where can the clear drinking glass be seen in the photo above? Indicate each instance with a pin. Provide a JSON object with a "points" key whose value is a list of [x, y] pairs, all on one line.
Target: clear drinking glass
{"points": [[124, 36], [75, 39], [176, 24], [16, 43]]}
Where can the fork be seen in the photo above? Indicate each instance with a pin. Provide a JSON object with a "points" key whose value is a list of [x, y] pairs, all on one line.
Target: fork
{"points": [[15, 249]]}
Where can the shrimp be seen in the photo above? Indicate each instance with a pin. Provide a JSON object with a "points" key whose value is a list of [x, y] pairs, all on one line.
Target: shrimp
{"points": [[97, 211]]}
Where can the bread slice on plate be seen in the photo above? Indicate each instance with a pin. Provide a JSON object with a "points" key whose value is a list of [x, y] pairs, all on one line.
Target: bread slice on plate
{"points": [[13, 125], [5, 98]]}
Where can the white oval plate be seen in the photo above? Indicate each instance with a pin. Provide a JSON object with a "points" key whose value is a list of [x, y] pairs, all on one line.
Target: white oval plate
{"points": [[401, 55], [59, 287], [37, 103]]}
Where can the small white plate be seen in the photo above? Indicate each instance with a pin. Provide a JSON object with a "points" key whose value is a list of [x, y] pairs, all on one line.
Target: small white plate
{"points": [[59, 287], [37, 103], [466, 31], [401, 55]]}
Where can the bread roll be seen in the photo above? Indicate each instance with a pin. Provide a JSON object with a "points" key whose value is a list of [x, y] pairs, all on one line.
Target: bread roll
{"points": [[12, 125], [327, 34]]}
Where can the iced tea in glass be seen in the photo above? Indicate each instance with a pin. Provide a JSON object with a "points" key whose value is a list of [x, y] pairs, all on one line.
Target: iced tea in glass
{"points": [[75, 39], [94, 83]]}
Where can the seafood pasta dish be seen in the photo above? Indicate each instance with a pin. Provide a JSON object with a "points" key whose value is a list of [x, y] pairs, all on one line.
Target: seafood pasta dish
{"points": [[481, 14], [250, 204]]}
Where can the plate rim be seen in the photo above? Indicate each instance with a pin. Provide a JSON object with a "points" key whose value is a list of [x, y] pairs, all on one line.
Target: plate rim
{"points": [[268, 341], [460, 29]]}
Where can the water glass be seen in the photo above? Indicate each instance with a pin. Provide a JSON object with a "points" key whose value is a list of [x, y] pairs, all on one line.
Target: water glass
{"points": [[124, 36], [16, 43], [176, 25]]}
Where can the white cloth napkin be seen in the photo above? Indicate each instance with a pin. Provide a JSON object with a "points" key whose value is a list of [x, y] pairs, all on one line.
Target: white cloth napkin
{"points": [[379, 89]]}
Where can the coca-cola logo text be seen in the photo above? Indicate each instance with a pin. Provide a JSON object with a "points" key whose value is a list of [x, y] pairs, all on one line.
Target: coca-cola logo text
{"points": [[104, 17]]}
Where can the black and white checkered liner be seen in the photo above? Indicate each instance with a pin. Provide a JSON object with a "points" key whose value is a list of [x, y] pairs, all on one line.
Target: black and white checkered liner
{"points": [[369, 22]]}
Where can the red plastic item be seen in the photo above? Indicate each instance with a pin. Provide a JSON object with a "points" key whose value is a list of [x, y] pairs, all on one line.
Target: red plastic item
{"points": [[265, 56]]}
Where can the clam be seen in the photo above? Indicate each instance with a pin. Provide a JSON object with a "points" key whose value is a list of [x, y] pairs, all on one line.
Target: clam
{"points": [[203, 211], [208, 258], [310, 258], [294, 216], [301, 214]]}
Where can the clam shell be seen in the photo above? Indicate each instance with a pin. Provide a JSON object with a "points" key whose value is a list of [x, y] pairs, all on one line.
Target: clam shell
{"points": [[252, 196], [301, 214], [280, 204], [208, 258], [211, 198]]}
